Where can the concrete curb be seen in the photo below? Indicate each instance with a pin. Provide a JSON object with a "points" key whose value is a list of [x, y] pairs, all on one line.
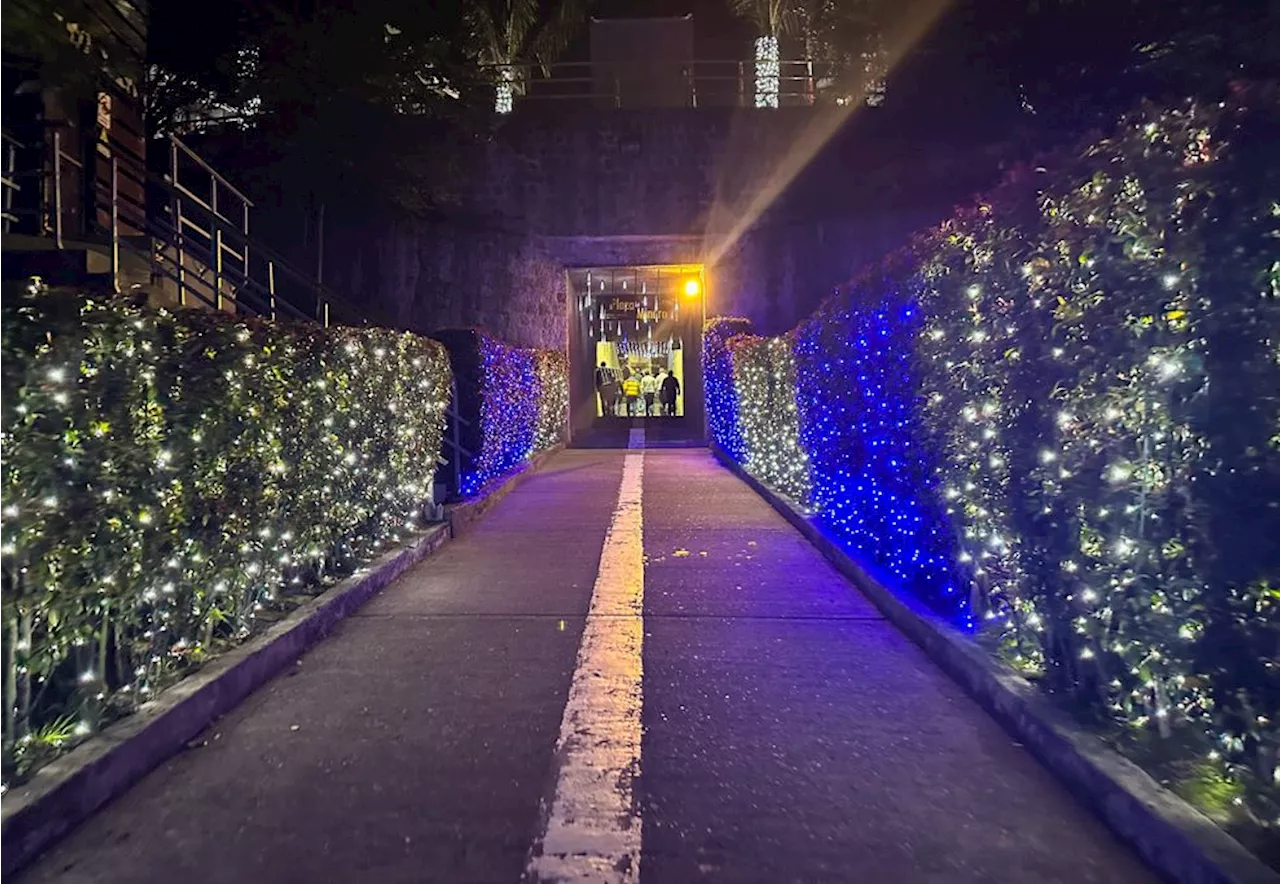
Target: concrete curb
{"points": [[1173, 837], [68, 790]]}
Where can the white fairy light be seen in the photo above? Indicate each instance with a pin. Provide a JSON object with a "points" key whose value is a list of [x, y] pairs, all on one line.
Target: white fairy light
{"points": [[1118, 472], [768, 72], [505, 92]]}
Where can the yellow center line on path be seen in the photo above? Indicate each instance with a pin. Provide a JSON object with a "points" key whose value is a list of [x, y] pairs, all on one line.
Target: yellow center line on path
{"points": [[593, 831]]}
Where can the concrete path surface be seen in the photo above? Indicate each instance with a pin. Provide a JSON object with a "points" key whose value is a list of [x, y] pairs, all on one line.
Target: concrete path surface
{"points": [[632, 669]]}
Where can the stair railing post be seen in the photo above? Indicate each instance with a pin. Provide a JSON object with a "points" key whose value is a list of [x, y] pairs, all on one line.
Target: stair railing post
{"points": [[457, 438], [322, 306], [271, 286], [11, 180], [217, 263], [57, 188], [115, 222], [244, 243], [179, 233]]}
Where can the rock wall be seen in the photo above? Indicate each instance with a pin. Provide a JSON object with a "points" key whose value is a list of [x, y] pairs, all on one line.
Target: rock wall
{"points": [[442, 274], [782, 205]]}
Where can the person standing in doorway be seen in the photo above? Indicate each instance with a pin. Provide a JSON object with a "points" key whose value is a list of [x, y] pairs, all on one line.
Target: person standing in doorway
{"points": [[662, 403], [649, 388], [607, 387], [669, 392], [631, 390]]}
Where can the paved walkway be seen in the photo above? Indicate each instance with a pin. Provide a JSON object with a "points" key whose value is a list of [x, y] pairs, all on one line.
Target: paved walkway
{"points": [[452, 729]]}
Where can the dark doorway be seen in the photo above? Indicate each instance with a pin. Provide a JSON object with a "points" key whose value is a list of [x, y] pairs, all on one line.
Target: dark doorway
{"points": [[635, 340]]}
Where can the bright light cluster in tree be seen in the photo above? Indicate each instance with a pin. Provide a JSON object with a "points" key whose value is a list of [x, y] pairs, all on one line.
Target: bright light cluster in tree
{"points": [[768, 72], [504, 101], [1057, 417], [172, 480]]}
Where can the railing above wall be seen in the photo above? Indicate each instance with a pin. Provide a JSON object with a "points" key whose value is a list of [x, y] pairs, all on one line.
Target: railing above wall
{"points": [[184, 234], [799, 82], [658, 83]]}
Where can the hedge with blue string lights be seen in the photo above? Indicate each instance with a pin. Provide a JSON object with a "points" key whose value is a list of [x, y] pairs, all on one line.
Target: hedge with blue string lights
{"points": [[721, 394], [515, 402], [855, 386], [1056, 417], [172, 481]]}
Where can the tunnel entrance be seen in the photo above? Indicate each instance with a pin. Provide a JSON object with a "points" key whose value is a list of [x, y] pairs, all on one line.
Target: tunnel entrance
{"points": [[635, 344]]}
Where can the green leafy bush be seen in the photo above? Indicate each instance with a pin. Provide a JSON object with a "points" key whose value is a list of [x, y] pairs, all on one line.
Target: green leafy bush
{"points": [[1055, 418], [171, 480]]}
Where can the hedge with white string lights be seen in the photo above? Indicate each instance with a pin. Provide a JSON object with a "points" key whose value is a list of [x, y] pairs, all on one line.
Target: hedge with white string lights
{"points": [[764, 374], [173, 480], [1056, 419], [551, 367]]}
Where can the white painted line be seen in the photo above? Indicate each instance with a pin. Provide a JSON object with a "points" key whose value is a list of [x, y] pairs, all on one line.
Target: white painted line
{"points": [[593, 832], [636, 439]]}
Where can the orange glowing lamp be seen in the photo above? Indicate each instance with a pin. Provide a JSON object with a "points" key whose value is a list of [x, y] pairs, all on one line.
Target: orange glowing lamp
{"points": [[692, 288]]}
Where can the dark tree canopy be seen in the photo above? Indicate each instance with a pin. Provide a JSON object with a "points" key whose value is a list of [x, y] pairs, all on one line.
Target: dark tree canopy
{"points": [[336, 97], [380, 98], [1076, 64], [75, 42]]}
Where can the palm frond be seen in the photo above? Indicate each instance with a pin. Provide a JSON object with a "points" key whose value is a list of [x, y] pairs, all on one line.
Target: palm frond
{"points": [[558, 31], [754, 11], [485, 33], [521, 25], [771, 17], [787, 17]]}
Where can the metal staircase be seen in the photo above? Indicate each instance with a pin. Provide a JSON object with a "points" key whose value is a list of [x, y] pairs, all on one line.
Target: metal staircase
{"points": [[107, 221]]}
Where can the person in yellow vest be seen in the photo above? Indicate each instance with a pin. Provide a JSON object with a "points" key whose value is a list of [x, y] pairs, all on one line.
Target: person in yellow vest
{"points": [[631, 389]]}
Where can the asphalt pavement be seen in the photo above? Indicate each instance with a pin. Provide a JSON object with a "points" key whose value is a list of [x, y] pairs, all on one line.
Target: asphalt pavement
{"points": [[789, 732]]}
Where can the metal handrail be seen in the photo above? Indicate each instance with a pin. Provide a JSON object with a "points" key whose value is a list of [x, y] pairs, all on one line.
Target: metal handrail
{"points": [[647, 65], [724, 82], [732, 86], [178, 146], [452, 439], [9, 184], [187, 238], [60, 156]]}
